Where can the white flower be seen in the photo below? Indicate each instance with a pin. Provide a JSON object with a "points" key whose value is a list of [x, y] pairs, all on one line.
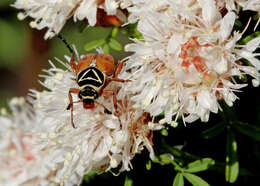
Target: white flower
{"points": [[100, 141], [140, 8], [253, 5], [20, 161], [53, 14], [46, 13], [187, 61]]}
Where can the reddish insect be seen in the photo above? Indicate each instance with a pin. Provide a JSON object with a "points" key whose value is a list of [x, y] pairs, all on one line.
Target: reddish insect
{"points": [[93, 73]]}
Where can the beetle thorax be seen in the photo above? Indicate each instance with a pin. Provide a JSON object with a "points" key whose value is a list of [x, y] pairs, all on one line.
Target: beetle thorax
{"points": [[91, 77]]}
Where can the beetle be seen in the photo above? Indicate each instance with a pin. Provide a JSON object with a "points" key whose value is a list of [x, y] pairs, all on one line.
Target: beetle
{"points": [[93, 73]]}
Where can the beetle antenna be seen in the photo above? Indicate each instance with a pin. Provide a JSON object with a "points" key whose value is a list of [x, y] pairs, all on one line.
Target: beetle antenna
{"points": [[65, 42]]}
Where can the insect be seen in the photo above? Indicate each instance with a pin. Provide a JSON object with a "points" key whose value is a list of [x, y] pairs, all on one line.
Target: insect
{"points": [[93, 73]]}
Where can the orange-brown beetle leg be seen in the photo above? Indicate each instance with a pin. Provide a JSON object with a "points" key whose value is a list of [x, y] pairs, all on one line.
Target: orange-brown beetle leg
{"points": [[118, 68], [70, 106], [117, 72], [118, 80], [108, 93], [106, 110], [73, 65]]}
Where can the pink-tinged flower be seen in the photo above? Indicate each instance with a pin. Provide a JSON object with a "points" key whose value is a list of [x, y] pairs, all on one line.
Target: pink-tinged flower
{"points": [[100, 142], [53, 14], [20, 161], [187, 61]]}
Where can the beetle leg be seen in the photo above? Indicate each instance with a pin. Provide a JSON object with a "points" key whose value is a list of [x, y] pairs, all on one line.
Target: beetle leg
{"points": [[106, 110], [117, 72], [110, 92], [70, 106], [73, 65], [118, 68], [119, 80]]}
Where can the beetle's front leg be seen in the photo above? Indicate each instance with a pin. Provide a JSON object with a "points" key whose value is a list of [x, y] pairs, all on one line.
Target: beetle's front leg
{"points": [[117, 72], [70, 106], [73, 65], [118, 68]]}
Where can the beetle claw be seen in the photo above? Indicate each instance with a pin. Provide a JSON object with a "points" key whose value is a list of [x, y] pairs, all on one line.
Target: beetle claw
{"points": [[107, 111], [73, 125], [68, 107]]}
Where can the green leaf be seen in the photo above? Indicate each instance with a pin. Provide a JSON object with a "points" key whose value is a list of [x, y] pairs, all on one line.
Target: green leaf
{"points": [[229, 114], [156, 159], [133, 31], [248, 130], [94, 44], [148, 165], [128, 181], [106, 48], [168, 159], [199, 165], [256, 17], [195, 180], [164, 132], [238, 23], [114, 44], [178, 153], [89, 177], [232, 165], [82, 27], [178, 180], [244, 78], [114, 32], [214, 131], [249, 38]]}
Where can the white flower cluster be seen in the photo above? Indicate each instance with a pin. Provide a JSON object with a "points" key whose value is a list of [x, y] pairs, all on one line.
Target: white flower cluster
{"points": [[41, 147], [188, 58], [20, 159], [53, 14], [100, 141]]}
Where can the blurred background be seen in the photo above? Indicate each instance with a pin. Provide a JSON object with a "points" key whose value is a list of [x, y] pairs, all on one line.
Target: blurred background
{"points": [[24, 53]]}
